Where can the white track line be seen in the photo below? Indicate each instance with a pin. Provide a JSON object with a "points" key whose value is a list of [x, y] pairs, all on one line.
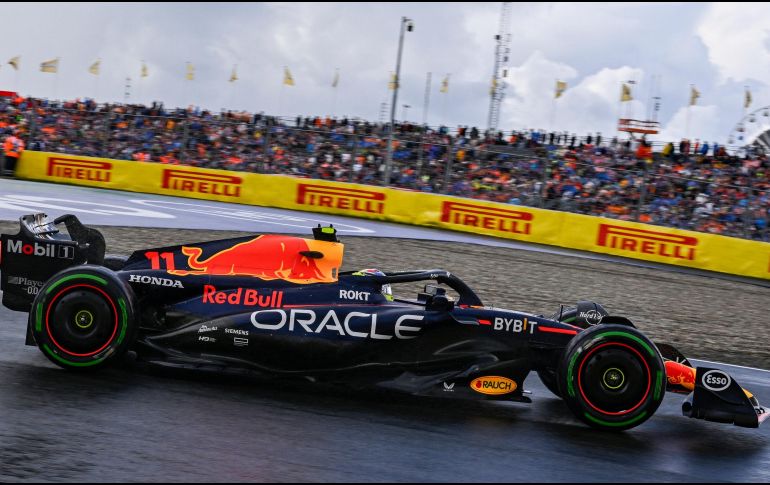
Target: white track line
{"points": [[731, 365]]}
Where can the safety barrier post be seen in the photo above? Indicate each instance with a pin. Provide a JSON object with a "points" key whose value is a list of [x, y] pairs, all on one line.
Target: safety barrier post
{"points": [[353, 156], [544, 189], [642, 191], [106, 137], [448, 170], [266, 147]]}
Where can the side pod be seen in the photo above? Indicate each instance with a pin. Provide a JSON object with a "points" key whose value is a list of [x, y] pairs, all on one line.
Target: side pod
{"points": [[717, 397]]}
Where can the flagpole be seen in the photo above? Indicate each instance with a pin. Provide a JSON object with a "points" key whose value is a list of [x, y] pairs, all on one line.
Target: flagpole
{"points": [[426, 102], [56, 79], [334, 93]]}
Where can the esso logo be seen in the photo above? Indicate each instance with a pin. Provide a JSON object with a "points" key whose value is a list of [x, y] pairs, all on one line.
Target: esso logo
{"points": [[716, 380]]}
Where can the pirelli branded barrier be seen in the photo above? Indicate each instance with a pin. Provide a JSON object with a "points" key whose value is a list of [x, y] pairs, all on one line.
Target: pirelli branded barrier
{"points": [[575, 231]]}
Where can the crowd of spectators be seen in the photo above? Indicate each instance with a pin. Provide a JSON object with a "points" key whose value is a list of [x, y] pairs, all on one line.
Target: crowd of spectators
{"points": [[691, 185]]}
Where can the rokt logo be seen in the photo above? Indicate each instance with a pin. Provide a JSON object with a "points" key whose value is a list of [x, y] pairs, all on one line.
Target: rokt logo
{"points": [[202, 183], [644, 241], [356, 200], [493, 385], [70, 168], [492, 218], [17, 246]]}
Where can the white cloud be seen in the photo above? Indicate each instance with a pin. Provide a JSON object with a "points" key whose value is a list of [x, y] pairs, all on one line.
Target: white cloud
{"points": [[692, 122], [736, 35]]}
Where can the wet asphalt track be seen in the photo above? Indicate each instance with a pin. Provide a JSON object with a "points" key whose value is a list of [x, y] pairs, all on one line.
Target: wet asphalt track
{"points": [[137, 425]]}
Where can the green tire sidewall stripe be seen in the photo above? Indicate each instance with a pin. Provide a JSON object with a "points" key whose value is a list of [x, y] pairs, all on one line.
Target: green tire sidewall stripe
{"points": [[39, 318], [570, 385], [618, 424], [658, 385], [66, 362], [124, 313], [102, 281]]}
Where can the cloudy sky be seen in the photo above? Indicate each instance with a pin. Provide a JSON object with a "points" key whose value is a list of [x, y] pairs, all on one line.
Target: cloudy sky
{"points": [[720, 48]]}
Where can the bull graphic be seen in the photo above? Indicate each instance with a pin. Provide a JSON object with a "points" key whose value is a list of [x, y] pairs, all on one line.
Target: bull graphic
{"points": [[270, 257]]}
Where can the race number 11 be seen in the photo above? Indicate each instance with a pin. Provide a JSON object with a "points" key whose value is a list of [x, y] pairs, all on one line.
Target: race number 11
{"points": [[155, 260]]}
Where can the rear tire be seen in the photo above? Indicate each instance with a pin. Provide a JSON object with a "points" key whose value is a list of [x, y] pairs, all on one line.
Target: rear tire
{"points": [[83, 317], [612, 377]]}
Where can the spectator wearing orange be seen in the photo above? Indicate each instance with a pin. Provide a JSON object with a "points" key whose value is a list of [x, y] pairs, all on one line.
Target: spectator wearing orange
{"points": [[13, 148]]}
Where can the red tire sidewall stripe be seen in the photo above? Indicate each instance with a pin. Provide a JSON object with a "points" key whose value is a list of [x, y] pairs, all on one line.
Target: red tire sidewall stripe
{"points": [[69, 288], [580, 373]]}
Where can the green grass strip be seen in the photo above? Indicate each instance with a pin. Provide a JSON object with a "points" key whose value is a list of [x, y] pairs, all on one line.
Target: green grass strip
{"points": [[67, 362], [75, 276], [616, 425]]}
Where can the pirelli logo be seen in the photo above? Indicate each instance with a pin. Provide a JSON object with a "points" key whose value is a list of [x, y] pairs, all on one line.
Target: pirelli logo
{"points": [[358, 200], [70, 168], [642, 241], [483, 217], [202, 183]]}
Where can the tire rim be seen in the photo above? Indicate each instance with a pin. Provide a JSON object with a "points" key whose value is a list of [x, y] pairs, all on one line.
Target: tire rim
{"points": [[76, 320], [614, 379]]}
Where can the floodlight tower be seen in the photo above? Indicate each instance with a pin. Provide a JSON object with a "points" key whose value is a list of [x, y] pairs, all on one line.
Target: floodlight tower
{"points": [[500, 72]]}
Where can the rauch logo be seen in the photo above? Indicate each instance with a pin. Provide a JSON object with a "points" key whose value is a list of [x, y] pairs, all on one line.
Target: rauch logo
{"points": [[341, 198], [493, 385], [70, 168], [202, 183], [492, 218], [647, 242]]}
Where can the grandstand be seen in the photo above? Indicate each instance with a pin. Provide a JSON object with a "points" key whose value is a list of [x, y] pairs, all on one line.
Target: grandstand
{"points": [[689, 185]]}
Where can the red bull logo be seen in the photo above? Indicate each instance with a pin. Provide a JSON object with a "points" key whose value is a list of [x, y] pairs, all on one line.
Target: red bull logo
{"points": [[644, 241], [270, 257], [202, 183], [240, 296], [680, 375], [483, 217], [70, 168], [357, 200]]}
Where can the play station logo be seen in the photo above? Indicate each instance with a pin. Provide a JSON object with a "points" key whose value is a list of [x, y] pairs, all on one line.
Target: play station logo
{"points": [[46, 250]]}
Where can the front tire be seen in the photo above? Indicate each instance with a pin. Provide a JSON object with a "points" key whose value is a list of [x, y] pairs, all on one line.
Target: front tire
{"points": [[83, 317], [612, 377]]}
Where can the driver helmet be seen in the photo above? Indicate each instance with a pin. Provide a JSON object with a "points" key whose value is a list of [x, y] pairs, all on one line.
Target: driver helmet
{"points": [[386, 290]]}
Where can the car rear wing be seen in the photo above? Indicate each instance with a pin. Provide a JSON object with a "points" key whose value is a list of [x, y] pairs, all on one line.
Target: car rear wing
{"points": [[39, 250]]}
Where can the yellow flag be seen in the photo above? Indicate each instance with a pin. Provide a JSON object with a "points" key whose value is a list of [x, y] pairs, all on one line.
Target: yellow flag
{"points": [[747, 102], [561, 86], [190, 72], [144, 69], [336, 79], [694, 95], [287, 79], [15, 62], [50, 66], [234, 75], [493, 87], [625, 93], [393, 81], [94, 69], [445, 84]]}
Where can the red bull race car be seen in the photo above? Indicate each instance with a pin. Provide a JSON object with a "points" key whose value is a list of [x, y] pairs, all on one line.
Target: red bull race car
{"points": [[279, 306]]}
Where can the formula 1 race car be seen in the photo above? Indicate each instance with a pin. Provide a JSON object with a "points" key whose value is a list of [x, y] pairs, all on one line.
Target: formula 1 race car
{"points": [[278, 306]]}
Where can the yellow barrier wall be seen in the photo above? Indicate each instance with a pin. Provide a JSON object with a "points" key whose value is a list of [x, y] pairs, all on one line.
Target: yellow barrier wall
{"points": [[574, 231]]}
